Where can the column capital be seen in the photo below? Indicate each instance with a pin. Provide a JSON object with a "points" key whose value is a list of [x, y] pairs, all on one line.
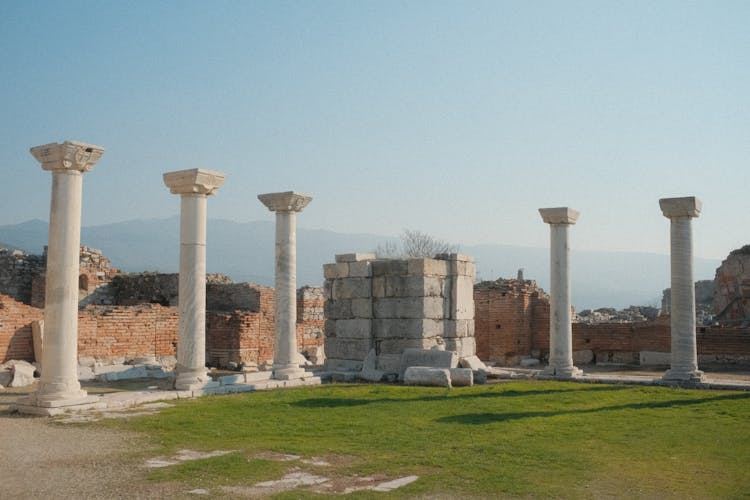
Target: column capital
{"points": [[193, 181], [559, 215], [288, 201], [69, 155], [688, 206]]}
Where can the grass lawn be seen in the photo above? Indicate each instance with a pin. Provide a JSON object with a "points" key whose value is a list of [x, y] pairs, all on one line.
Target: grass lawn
{"points": [[516, 439]]}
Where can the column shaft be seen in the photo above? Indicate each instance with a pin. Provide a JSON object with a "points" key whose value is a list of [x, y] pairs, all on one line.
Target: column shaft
{"points": [[59, 379], [285, 352], [191, 347]]}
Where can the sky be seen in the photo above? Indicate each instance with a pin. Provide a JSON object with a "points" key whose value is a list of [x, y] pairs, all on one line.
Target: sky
{"points": [[459, 119]]}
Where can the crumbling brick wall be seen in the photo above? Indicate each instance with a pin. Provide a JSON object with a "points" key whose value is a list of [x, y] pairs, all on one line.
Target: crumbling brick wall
{"points": [[731, 302], [391, 305], [511, 317], [16, 340], [17, 271], [111, 332], [310, 317]]}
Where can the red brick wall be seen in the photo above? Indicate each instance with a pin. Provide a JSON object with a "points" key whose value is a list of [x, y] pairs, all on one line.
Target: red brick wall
{"points": [[15, 329], [127, 331]]}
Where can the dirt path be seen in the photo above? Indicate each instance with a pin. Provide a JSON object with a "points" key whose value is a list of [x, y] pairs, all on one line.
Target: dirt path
{"points": [[40, 458]]}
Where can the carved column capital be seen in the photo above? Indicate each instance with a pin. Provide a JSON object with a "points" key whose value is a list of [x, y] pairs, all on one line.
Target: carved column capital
{"points": [[193, 181], [688, 206], [289, 201], [559, 215], [69, 155]]}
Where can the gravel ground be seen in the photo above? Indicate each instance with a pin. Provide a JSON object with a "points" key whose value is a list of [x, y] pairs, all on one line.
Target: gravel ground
{"points": [[41, 458]]}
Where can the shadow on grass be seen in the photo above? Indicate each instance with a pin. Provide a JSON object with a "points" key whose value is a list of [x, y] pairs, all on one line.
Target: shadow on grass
{"points": [[348, 402], [490, 418]]}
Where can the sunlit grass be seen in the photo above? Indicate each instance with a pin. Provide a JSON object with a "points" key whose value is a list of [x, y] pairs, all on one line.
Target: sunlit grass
{"points": [[538, 439]]}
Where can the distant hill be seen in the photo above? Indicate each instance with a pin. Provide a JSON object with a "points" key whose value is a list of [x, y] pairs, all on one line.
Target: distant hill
{"points": [[245, 251]]}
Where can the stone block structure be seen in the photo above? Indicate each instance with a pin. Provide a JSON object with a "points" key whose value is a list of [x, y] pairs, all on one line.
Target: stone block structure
{"points": [[393, 305], [17, 272]]}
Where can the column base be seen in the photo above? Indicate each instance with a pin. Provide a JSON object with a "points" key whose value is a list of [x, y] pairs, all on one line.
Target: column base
{"points": [[566, 372], [683, 375], [53, 404], [192, 380], [287, 372]]}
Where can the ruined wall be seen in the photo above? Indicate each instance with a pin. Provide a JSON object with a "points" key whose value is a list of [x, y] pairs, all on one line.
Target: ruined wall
{"points": [[17, 271], [15, 329], [162, 288], [509, 315], [119, 333], [731, 304], [391, 305], [310, 317]]}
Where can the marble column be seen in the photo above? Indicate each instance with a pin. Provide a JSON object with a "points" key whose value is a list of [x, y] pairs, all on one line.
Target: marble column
{"points": [[680, 211], [194, 186], [561, 331], [286, 205], [58, 385]]}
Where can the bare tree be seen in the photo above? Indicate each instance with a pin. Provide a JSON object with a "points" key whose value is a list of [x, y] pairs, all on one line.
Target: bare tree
{"points": [[415, 244]]}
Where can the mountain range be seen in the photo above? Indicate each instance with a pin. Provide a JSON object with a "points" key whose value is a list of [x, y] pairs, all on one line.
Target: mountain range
{"points": [[245, 252]]}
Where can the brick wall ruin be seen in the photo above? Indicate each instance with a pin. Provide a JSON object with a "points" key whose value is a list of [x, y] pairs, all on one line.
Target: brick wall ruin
{"points": [[391, 305], [509, 315], [15, 329]]}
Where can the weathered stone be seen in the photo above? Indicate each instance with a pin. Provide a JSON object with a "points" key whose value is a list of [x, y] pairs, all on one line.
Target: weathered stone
{"points": [[353, 329], [344, 365], [335, 271], [397, 346], [352, 349], [338, 309], [584, 357], [37, 333], [378, 286], [354, 257], [361, 269], [23, 374], [352, 288], [463, 347], [462, 298], [361, 308], [416, 286], [458, 328], [406, 328], [472, 362], [369, 369], [427, 357], [427, 376], [427, 267], [529, 362], [409, 307], [462, 377], [651, 358], [390, 267]]}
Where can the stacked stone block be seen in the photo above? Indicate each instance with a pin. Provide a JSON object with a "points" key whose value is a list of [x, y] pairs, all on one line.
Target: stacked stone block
{"points": [[396, 304]]}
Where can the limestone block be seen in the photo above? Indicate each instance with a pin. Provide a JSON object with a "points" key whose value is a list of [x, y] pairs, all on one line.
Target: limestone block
{"points": [[328, 289], [354, 349], [409, 307], [462, 298], [529, 362], [462, 377], [86, 373], [361, 308], [651, 358], [427, 376], [398, 346], [338, 309], [472, 362], [583, 357], [353, 329], [361, 269], [5, 377], [329, 328], [416, 286], [406, 328], [23, 374], [378, 286], [351, 288], [427, 357], [389, 363], [370, 371], [343, 365], [462, 347], [427, 267], [458, 328], [390, 267], [335, 271], [615, 357], [354, 257]]}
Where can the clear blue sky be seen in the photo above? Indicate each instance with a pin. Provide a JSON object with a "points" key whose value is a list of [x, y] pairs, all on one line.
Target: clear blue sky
{"points": [[456, 118]]}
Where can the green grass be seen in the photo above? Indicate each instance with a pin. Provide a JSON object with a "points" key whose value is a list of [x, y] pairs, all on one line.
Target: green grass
{"points": [[525, 439]]}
